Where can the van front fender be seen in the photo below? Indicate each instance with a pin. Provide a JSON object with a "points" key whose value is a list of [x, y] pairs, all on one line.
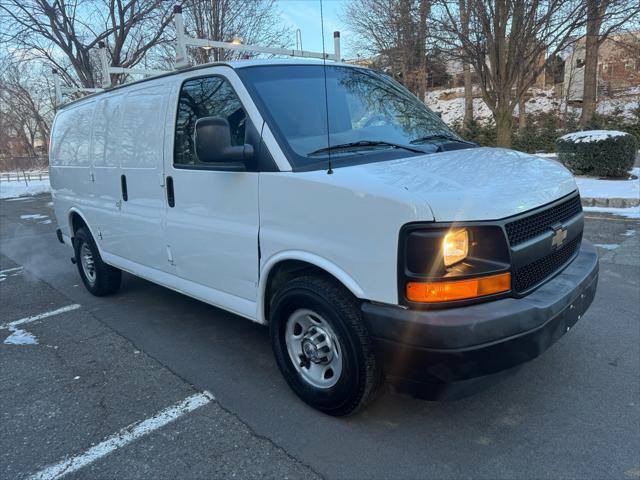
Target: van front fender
{"points": [[313, 260]]}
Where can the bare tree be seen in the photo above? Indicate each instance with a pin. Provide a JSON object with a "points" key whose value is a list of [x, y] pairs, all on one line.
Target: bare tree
{"points": [[395, 30], [26, 108], [508, 44], [253, 22], [603, 18], [64, 32]]}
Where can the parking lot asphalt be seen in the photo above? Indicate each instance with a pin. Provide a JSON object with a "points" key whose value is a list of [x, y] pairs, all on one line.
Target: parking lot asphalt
{"points": [[76, 387]]}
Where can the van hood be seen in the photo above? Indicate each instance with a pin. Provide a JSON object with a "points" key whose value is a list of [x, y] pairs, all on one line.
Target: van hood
{"points": [[476, 183]]}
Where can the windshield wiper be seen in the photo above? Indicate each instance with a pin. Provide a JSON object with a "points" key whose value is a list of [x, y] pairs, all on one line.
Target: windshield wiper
{"points": [[363, 144], [439, 136]]}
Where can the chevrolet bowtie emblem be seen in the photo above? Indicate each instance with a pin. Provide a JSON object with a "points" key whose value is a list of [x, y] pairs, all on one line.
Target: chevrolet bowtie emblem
{"points": [[559, 236]]}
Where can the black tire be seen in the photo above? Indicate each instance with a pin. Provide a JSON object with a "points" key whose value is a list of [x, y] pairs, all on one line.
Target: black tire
{"points": [[107, 278], [360, 376]]}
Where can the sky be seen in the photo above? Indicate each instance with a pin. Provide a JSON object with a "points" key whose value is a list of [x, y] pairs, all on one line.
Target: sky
{"points": [[305, 15]]}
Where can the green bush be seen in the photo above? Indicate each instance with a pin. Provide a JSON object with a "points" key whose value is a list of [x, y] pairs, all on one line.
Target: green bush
{"points": [[544, 128], [540, 134], [484, 134], [606, 156], [617, 121]]}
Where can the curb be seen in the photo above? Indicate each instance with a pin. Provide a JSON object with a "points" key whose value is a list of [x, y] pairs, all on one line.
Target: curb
{"points": [[610, 202]]}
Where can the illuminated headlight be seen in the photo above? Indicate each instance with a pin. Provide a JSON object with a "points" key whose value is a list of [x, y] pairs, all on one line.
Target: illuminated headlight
{"points": [[455, 247]]}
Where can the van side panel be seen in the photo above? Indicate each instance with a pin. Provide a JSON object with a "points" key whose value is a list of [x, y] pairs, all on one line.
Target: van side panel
{"points": [[70, 161], [141, 143], [104, 211]]}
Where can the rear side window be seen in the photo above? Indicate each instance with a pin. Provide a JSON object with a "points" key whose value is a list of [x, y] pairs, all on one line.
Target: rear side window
{"points": [[142, 135], [106, 126], [71, 136], [206, 97]]}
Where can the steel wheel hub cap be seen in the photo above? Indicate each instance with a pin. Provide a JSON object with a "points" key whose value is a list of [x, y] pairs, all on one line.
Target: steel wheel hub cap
{"points": [[313, 348], [317, 345], [87, 262]]}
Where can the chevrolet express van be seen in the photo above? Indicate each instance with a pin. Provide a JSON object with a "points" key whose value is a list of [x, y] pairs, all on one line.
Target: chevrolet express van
{"points": [[330, 204]]}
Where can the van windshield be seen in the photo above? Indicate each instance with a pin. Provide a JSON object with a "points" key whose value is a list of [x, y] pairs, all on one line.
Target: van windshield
{"points": [[371, 117]]}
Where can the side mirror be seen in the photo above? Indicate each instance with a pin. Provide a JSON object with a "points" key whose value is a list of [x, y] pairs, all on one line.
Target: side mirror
{"points": [[212, 140]]}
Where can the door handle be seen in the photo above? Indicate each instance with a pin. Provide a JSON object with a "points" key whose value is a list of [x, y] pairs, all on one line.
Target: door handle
{"points": [[123, 186], [171, 198]]}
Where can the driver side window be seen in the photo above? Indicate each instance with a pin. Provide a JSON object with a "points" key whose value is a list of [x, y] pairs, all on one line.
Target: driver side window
{"points": [[206, 97]]}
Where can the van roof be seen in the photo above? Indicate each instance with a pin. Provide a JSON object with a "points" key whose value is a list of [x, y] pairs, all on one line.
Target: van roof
{"points": [[235, 64]]}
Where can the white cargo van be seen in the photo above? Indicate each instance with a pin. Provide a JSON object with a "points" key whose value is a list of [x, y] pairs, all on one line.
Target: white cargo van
{"points": [[330, 204]]}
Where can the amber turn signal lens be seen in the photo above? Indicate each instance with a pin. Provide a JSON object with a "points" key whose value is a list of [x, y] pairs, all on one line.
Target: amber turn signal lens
{"points": [[458, 290]]}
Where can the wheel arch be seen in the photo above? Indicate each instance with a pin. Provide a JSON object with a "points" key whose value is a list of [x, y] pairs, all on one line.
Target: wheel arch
{"points": [[76, 220], [285, 265]]}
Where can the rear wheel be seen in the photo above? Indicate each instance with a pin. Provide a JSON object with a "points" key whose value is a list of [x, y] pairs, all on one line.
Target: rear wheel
{"points": [[98, 277], [321, 345]]}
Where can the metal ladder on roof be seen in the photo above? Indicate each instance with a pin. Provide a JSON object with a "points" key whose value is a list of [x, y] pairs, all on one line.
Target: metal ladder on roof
{"points": [[183, 41]]}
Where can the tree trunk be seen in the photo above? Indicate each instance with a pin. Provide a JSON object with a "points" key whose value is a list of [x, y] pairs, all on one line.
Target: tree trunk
{"points": [[504, 122], [589, 93], [466, 68], [468, 94], [425, 7], [522, 113]]}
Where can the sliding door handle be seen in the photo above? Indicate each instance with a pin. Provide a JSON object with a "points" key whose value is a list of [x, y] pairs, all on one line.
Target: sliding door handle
{"points": [[171, 198]]}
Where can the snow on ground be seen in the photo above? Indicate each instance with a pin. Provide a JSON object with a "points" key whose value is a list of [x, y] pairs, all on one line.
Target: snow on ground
{"points": [[607, 246], [591, 187], [450, 102], [596, 188], [631, 212], [19, 189], [588, 136]]}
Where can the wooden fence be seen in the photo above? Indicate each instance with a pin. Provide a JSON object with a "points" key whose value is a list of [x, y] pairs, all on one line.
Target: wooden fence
{"points": [[26, 177], [23, 168]]}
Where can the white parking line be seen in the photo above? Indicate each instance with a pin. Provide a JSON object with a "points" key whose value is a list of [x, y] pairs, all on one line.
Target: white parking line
{"points": [[9, 270], [40, 316], [124, 437]]}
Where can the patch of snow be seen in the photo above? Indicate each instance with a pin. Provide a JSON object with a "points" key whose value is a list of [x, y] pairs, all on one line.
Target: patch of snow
{"points": [[589, 136], [596, 188], [45, 222], [20, 337], [631, 212], [17, 199], [450, 103], [552, 156], [629, 233], [19, 189], [607, 246], [33, 216]]}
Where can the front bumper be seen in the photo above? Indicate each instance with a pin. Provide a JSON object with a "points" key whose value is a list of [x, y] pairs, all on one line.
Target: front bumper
{"points": [[440, 354]]}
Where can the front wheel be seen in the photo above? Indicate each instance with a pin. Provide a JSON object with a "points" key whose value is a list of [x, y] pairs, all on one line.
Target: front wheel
{"points": [[322, 346], [98, 277]]}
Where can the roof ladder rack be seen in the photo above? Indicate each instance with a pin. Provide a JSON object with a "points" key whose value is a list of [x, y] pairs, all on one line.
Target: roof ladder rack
{"points": [[183, 41], [61, 91], [107, 69]]}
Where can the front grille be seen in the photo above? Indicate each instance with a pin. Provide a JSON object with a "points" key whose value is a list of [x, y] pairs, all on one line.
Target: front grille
{"points": [[535, 272], [529, 227]]}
